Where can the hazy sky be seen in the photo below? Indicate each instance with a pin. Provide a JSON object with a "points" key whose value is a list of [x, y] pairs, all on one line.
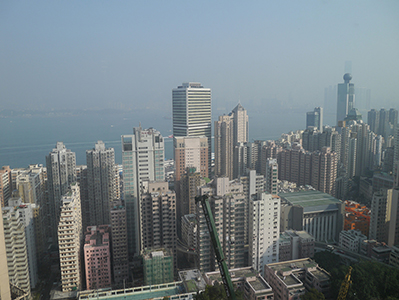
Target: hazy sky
{"points": [[82, 54]]}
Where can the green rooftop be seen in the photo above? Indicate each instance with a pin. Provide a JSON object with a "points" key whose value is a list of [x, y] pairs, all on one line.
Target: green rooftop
{"points": [[311, 200]]}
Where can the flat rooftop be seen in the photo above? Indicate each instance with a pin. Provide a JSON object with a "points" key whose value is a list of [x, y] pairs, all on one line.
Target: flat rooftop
{"points": [[234, 274], [320, 274], [259, 285], [292, 265], [311, 200], [290, 280]]}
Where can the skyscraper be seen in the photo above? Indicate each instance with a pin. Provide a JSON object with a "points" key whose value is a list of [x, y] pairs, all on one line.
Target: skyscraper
{"points": [[315, 119], [224, 147], [373, 119], [61, 172], [192, 113], [240, 125], [143, 160], [345, 97], [100, 183]]}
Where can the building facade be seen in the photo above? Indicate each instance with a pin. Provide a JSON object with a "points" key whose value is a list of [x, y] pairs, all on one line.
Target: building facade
{"points": [[143, 160], [70, 240], [61, 173], [97, 257], [345, 97], [101, 185], [192, 112]]}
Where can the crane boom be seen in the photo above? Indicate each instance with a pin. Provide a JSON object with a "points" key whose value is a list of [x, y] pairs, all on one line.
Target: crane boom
{"points": [[224, 271], [343, 291]]}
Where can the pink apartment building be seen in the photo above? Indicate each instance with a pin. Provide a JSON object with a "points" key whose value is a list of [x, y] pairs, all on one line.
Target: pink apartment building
{"points": [[97, 257]]}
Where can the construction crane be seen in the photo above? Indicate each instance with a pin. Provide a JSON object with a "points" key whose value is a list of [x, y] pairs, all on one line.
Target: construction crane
{"points": [[224, 271], [345, 285]]}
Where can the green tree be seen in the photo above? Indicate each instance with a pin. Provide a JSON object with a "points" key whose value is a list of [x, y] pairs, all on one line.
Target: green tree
{"points": [[313, 294]]}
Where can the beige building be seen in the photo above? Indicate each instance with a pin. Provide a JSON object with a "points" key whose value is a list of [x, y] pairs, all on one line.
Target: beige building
{"points": [[15, 242], [224, 147], [70, 240]]}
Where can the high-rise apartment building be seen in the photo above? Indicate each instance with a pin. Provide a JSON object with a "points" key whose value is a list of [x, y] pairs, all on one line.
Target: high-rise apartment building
{"points": [[224, 147], [26, 216], [143, 160], [345, 97], [61, 173], [191, 152], [158, 217], [5, 185], [229, 207], [264, 230], [315, 119], [15, 242], [192, 112], [4, 279], [100, 183], [70, 239], [188, 185], [240, 125], [373, 119], [97, 257], [120, 259], [271, 176]]}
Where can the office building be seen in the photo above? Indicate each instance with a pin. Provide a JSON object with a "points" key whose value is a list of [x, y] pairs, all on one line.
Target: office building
{"points": [[240, 121], [70, 240], [315, 119], [295, 245], [61, 173], [97, 257], [290, 279], [143, 160], [158, 217], [157, 266], [5, 185], [319, 214], [345, 97], [101, 184], [224, 147], [16, 249], [264, 230], [120, 259], [192, 112]]}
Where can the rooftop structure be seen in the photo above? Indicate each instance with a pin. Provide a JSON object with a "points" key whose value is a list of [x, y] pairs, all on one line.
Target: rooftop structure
{"points": [[289, 279], [253, 285], [306, 206]]}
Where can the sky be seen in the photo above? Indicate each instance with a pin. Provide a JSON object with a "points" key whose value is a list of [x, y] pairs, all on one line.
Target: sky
{"points": [[131, 54]]}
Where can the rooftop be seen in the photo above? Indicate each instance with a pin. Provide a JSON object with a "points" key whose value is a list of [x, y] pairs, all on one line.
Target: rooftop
{"points": [[311, 200]]}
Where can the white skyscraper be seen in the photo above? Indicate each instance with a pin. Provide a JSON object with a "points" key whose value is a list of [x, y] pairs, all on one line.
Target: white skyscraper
{"points": [[264, 230], [143, 160], [100, 183], [61, 172], [192, 111], [345, 97]]}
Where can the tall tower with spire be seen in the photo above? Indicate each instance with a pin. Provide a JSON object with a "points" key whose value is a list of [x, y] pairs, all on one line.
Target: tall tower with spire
{"points": [[345, 97]]}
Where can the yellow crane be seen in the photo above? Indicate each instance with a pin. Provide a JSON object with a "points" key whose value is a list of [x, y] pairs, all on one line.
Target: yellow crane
{"points": [[345, 285]]}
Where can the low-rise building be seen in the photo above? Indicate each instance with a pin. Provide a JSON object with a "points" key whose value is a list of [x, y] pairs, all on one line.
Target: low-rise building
{"points": [[351, 240], [357, 217], [291, 279], [295, 244], [394, 256], [252, 284]]}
